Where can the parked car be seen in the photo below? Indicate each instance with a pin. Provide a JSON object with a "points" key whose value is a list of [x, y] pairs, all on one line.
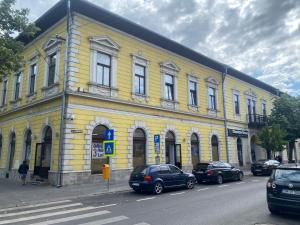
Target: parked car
{"points": [[156, 178], [283, 190], [217, 172], [264, 167]]}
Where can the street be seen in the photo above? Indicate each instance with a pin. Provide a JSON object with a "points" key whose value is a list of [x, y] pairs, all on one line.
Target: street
{"points": [[240, 203]]}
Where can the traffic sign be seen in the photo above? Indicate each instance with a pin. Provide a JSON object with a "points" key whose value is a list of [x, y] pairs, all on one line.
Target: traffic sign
{"points": [[157, 143], [109, 148], [109, 134]]}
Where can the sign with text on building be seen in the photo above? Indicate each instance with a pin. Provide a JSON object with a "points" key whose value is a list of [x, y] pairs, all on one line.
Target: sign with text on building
{"points": [[109, 134], [157, 143], [109, 148], [237, 133], [97, 150]]}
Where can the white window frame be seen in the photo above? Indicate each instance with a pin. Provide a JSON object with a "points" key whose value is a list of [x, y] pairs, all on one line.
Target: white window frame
{"points": [[263, 102], [212, 82], [250, 95], [170, 68], [192, 77], [140, 60], [3, 104], [105, 45], [34, 60], [13, 98], [236, 92]]}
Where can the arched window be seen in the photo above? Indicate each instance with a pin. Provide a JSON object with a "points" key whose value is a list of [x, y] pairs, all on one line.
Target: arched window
{"points": [[1, 145], [27, 152], [12, 148], [97, 157], [195, 149], [215, 148], [239, 147], [170, 148], [47, 149], [139, 148]]}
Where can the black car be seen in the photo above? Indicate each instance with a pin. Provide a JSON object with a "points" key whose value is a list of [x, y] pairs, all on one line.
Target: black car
{"points": [[264, 167], [283, 190], [156, 178], [217, 172]]}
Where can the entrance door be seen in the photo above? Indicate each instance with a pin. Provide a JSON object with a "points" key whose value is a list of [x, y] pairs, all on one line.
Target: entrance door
{"points": [[253, 146], [42, 160], [239, 147], [178, 155]]}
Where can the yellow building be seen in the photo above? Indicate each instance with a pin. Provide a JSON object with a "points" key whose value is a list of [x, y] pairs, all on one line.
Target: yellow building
{"points": [[97, 71]]}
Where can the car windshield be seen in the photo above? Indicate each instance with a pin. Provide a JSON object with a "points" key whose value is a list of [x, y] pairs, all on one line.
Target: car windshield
{"points": [[287, 174], [202, 166], [140, 169]]}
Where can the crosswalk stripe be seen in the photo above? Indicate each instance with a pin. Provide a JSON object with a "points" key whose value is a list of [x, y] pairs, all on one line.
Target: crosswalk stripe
{"points": [[46, 215], [106, 221], [40, 210], [70, 218], [33, 206], [143, 223]]}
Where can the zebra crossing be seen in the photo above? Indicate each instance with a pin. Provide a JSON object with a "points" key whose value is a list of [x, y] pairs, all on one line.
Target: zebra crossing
{"points": [[62, 212]]}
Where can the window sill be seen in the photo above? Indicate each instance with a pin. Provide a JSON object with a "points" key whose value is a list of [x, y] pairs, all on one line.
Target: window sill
{"points": [[102, 90], [194, 108], [170, 104], [3, 108], [50, 86], [15, 101], [50, 90], [31, 97], [31, 94], [140, 97]]}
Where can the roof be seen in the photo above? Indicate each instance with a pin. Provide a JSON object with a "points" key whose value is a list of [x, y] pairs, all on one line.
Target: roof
{"points": [[58, 11], [289, 166]]}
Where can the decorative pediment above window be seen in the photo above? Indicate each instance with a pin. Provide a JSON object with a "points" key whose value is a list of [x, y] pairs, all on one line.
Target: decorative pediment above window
{"points": [[105, 42], [250, 93], [169, 66], [52, 43], [34, 57], [212, 80]]}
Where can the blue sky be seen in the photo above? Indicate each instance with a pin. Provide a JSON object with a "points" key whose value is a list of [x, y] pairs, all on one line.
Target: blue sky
{"points": [[258, 37]]}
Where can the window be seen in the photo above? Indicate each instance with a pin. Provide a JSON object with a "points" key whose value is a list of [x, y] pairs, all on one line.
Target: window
{"points": [[212, 98], [174, 169], [103, 69], [139, 79], [264, 109], [51, 69], [139, 148], [12, 148], [27, 152], [33, 71], [17, 86], [195, 150], [164, 169], [215, 148], [253, 107], [1, 141], [4, 92], [169, 87], [193, 93], [236, 99]]}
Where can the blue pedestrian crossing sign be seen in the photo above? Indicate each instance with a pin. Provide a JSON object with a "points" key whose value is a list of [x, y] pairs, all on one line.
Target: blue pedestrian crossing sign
{"points": [[157, 143], [109, 134], [109, 148]]}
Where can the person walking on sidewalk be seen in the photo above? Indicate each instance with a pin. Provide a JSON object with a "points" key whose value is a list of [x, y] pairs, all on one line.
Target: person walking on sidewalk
{"points": [[23, 169]]}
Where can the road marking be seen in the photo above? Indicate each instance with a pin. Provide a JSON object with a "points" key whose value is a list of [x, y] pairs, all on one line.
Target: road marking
{"points": [[145, 199], [33, 206], [70, 218], [40, 210], [224, 185], [178, 193], [106, 221], [102, 206], [241, 182], [47, 215], [143, 223], [202, 189]]}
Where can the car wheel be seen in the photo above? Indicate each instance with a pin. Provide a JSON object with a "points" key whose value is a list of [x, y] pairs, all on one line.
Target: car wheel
{"points": [[240, 176], [219, 179], [158, 188], [190, 184]]}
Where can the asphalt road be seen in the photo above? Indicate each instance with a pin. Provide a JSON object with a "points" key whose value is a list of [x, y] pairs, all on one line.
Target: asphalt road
{"points": [[233, 203]]}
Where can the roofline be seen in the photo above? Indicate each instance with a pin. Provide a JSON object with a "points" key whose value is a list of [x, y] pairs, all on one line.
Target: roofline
{"points": [[59, 10]]}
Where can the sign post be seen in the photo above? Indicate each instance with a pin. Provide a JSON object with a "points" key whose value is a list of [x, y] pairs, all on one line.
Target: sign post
{"points": [[157, 148], [109, 147]]}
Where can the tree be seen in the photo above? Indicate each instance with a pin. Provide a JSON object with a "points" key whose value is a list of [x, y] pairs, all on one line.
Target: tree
{"points": [[272, 138], [286, 112], [13, 22]]}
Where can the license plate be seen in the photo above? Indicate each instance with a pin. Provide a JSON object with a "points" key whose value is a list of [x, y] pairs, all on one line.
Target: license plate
{"points": [[258, 170], [135, 184], [290, 192]]}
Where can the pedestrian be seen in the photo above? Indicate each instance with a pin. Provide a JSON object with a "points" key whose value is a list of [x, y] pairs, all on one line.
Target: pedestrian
{"points": [[23, 169]]}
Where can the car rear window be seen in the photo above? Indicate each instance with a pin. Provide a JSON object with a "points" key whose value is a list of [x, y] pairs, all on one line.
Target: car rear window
{"points": [[140, 169], [203, 166], [287, 174]]}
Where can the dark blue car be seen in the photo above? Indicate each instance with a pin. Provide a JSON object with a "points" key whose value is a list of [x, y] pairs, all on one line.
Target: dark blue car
{"points": [[156, 178]]}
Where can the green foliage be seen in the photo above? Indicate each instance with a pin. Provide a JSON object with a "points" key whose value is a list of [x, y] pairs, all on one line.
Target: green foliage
{"points": [[12, 22], [272, 138], [286, 112]]}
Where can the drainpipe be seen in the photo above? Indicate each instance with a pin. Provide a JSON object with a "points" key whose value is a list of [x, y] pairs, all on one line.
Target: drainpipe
{"points": [[224, 74], [63, 109]]}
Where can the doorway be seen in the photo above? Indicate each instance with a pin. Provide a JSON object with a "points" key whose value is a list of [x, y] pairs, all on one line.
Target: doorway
{"points": [[173, 151], [239, 146], [215, 148], [253, 146]]}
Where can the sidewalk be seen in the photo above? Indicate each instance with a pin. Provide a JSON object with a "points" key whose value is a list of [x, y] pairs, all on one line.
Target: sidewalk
{"points": [[13, 194]]}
